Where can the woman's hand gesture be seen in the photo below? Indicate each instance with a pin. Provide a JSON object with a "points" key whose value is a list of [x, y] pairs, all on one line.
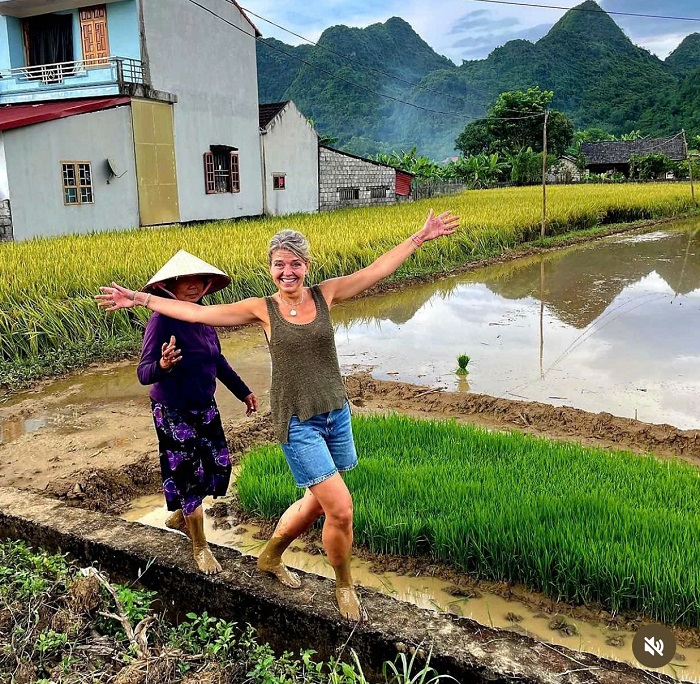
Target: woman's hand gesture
{"points": [[169, 354], [115, 297], [437, 226]]}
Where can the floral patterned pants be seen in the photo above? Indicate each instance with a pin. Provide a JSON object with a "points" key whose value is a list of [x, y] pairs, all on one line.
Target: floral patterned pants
{"points": [[194, 457]]}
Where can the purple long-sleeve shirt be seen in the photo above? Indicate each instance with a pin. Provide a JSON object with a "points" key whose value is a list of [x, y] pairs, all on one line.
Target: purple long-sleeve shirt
{"points": [[191, 383]]}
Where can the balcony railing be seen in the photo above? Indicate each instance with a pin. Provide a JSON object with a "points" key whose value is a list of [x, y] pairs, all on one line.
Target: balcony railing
{"points": [[122, 70]]}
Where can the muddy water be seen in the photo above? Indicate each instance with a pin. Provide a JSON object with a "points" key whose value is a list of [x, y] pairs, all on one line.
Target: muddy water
{"points": [[433, 593], [607, 326]]}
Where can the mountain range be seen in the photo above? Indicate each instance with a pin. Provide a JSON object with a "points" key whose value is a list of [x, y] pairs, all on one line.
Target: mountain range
{"points": [[354, 82]]}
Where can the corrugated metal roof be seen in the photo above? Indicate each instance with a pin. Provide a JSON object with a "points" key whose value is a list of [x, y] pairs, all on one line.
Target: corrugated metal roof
{"points": [[619, 152], [19, 115]]}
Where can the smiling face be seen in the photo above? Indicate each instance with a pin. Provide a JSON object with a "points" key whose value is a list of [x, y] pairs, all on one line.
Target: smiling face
{"points": [[288, 271], [188, 288]]}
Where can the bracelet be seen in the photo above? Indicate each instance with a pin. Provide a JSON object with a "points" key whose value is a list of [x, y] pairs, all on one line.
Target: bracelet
{"points": [[148, 299], [417, 240]]}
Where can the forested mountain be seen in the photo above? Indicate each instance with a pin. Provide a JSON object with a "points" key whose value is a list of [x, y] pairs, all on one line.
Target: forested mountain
{"points": [[599, 77]]}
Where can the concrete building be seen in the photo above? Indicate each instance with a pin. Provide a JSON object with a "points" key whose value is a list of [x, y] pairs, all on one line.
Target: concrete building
{"points": [[289, 147], [107, 121]]}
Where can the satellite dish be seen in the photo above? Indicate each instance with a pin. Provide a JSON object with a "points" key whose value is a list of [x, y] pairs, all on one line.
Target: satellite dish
{"points": [[113, 170]]}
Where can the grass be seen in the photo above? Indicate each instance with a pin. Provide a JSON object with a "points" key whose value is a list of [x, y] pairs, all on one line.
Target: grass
{"points": [[59, 626], [581, 525], [46, 293]]}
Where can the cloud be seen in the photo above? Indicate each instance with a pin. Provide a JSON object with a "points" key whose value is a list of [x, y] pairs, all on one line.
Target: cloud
{"points": [[479, 46], [481, 20]]}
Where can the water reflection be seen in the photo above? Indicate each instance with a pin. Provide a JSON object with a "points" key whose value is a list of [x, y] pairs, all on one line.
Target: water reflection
{"points": [[606, 326]]}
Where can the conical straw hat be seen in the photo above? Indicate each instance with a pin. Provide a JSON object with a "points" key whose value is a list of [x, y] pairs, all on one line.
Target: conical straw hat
{"points": [[186, 264]]}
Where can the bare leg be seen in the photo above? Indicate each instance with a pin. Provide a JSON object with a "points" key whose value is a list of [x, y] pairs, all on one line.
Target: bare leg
{"points": [[334, 497], [177, 522], [298, 518], [202, 554]]}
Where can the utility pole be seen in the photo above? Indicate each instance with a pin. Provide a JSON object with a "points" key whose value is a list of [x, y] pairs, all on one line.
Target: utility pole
{"points": [[690, 167], [544, 174]]}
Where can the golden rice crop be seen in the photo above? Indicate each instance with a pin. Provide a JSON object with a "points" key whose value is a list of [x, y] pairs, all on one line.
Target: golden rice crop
{"points": [[47, 284]]}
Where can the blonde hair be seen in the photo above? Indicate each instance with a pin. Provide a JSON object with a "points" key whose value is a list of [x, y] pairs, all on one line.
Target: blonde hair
{"points": [[291, 240]]}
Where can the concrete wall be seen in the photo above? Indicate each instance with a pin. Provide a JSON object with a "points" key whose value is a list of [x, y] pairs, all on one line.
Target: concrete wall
{"points": [[337, 170], [290, 147], [123, 29], [211, 67], [11, 43], [34, 154]]}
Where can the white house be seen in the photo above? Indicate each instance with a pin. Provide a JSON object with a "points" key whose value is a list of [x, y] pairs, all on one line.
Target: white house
{"points": [[126, 113], [289, 147]]}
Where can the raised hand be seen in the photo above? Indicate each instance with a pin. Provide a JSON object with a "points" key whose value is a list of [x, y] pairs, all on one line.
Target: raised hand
{"points": [[115, 297], [437, 226], [169, 355], [251, 404]]}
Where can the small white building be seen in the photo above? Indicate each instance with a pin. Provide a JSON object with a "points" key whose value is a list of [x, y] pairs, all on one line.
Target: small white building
{"points": [[110, 119], [289, 147]]}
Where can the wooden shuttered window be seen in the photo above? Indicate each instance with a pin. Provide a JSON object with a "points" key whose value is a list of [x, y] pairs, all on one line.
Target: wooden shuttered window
{"points": [[93, 33], [221, 172]]}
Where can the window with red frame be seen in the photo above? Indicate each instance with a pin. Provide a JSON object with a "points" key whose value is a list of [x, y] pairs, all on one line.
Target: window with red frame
{"points": [[221, 172]]}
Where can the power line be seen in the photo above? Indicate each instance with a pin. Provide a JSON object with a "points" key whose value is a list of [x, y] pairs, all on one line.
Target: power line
{"points": [[586, 9], [355, 85]]}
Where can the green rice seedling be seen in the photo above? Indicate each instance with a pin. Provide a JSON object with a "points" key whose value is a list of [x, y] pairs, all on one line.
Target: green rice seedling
{"points": [[462, 362], [580, 524]]}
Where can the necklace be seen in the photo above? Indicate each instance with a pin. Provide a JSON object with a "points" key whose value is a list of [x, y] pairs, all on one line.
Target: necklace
{"points": [[293, 307]]}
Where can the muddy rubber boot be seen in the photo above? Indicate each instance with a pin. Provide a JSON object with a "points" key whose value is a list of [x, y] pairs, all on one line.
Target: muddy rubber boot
{"points": [[202, 554], [270, 560], [178, 523], [349, 603]]}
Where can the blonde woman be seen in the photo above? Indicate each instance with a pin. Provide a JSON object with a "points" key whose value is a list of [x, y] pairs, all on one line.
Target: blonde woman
{"points": [[309, 405]]}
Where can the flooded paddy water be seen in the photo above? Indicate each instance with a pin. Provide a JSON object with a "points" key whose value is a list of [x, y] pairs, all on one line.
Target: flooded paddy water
{"points": [[606, 326]]}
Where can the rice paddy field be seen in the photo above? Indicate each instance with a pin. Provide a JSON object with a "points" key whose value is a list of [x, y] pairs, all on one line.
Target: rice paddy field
{"points": [[47, 288], [579, 524]]}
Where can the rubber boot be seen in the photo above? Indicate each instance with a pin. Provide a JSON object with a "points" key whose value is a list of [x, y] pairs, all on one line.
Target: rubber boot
{"points": [[270, 560], [202, 554], [348, 601], [177, 522]]}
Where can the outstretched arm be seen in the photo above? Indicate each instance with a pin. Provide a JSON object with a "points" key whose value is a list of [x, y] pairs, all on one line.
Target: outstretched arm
{"points": [[223, 315], [338, 289]]}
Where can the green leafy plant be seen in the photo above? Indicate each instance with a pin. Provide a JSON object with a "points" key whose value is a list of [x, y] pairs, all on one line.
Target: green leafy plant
{"points": [[462, 363]]}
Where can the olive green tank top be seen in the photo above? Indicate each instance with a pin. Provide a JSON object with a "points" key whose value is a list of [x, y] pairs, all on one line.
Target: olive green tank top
{"points": [[306, 376]]}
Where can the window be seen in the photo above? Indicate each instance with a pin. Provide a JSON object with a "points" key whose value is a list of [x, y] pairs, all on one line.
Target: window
{"points": [[77, 183], [221, 171], [278, 181], [378, 192], [48, 39], [349, 193]]}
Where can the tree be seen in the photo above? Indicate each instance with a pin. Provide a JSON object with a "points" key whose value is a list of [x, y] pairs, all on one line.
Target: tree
{"points": [[515, 122]]}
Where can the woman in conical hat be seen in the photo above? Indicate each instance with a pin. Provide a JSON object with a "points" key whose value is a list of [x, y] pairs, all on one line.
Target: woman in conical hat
{"points": [[308, 400], [182, 361]]}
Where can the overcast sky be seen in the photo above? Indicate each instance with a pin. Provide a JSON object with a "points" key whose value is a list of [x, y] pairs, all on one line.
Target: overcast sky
{"points": [[467, 29]]}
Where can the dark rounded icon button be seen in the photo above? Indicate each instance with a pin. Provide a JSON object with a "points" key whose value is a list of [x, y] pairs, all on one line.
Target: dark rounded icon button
{"points": [[654, 646]]}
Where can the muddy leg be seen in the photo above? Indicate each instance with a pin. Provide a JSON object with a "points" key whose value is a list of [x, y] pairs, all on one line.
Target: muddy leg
{"points": [[177, 522], [202, 554], [295, 521], [334, 497], [348, 601]]}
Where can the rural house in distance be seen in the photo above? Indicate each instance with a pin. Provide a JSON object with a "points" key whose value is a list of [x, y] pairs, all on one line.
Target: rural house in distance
{"points": [[614, 156]]}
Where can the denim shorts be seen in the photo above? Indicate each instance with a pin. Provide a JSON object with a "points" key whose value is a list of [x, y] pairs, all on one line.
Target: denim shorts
{"points": [[320, 447]]}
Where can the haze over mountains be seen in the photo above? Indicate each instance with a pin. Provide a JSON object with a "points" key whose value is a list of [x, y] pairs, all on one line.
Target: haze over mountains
{"points": [[599, 77]]}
